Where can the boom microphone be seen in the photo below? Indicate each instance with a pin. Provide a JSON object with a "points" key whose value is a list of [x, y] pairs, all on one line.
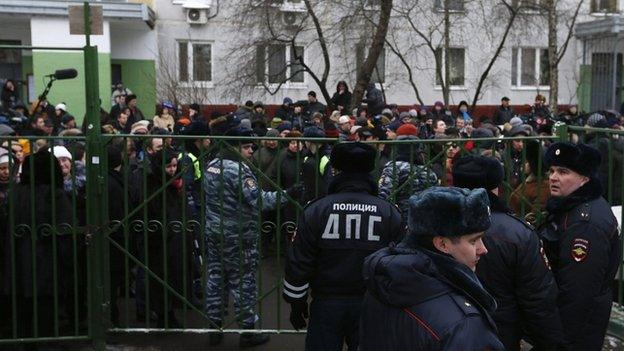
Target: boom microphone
{"points": [[67, 73]]}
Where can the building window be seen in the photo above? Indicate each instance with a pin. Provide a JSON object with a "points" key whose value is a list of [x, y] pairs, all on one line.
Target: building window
{"points": [[278, 63], [457, 74], [604, 6], [529, 66], [530, 6], [454, 5], [379, 73], [195, 62]]}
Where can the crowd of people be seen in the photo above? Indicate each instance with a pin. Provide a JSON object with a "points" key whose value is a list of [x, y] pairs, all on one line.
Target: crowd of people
{"points": [[221, 176]]}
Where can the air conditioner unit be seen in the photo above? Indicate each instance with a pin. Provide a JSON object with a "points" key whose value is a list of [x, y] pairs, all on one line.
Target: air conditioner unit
{"points": [[290, 19], [197, 11]]}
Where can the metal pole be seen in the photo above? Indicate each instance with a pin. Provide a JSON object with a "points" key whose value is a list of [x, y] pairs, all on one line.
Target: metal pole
{"points": [[562, 133], [95, 239], [614, 82]]}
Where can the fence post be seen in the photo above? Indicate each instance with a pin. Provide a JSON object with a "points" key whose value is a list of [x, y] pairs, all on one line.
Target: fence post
{"points": [[562, 132], [96, 241]]}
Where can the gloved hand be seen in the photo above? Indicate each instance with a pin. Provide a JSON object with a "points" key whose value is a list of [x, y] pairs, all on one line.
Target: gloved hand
{"points": [[295, 191], [299, 314]]}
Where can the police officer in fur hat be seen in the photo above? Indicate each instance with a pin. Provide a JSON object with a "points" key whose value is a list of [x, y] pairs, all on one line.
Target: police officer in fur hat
{"points": [[423, 294], [582, 243], [334, 235], [514, 271]]}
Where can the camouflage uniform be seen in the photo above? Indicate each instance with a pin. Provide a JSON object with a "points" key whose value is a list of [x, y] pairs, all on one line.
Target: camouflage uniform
{"points": [[395, 174], [233, 203]]}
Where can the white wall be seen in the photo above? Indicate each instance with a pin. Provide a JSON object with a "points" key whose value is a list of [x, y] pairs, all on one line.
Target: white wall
{"points": [[131, 40], [52, 31]]}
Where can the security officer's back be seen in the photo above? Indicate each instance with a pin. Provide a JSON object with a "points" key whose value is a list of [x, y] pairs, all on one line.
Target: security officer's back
{"points": [[334, 235]]}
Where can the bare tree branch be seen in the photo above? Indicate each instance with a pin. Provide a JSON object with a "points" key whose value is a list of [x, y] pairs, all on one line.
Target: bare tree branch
{"points": [[564, 47], [512, 17], [366, 69]]}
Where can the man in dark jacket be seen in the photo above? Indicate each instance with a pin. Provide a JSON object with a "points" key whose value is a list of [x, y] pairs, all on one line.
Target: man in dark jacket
{"points": [[374, 100], [423, 294], [315, 171], [313, 105], [135, 113], [334, 236], [503, 113], [285, 112], [514, 271], [582, 243]]}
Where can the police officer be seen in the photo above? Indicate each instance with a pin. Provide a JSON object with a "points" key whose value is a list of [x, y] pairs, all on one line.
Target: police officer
{"points": [[582, 243], [334, 235], [423, 294], [192, 159], [514, 271], [233, 202], [315, 171]]}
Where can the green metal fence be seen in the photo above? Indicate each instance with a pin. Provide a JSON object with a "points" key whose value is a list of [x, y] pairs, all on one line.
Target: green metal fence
{"points": [[150, 250]]}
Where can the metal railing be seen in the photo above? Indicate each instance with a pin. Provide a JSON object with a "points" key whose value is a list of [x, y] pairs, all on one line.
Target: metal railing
{"points": [[169, 237]]}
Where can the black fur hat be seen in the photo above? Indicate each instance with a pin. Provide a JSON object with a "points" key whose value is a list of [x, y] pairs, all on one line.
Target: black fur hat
{"points": [[353, 157], [580, 158], [449, 212], [476, 171]]}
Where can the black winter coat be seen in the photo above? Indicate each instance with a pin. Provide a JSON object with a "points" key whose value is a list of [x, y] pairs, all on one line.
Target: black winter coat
{"points": [[374, 101], [334, 235], [164, 234], [311, 108], [584, 247], [316, 174], [284, 113], [420, 300], [516, 273], [601, 142], [116, 212], [42, 236], [343, 100], [502, 115]]}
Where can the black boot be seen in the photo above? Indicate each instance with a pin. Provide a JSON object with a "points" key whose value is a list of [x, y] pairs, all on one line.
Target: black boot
{"points": [[252, 339]]}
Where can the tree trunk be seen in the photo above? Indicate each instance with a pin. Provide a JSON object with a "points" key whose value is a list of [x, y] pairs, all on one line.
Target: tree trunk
{"points": [[553, 67], [366, 69], [447, 43]]}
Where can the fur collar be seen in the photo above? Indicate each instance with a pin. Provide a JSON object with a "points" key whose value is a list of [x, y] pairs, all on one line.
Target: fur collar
{"points": [[353, 182], [496, 204], [590, 191], [462, 278]]}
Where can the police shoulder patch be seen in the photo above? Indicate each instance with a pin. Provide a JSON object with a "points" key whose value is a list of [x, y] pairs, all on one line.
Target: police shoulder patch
{"points": [[580, 249]]}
